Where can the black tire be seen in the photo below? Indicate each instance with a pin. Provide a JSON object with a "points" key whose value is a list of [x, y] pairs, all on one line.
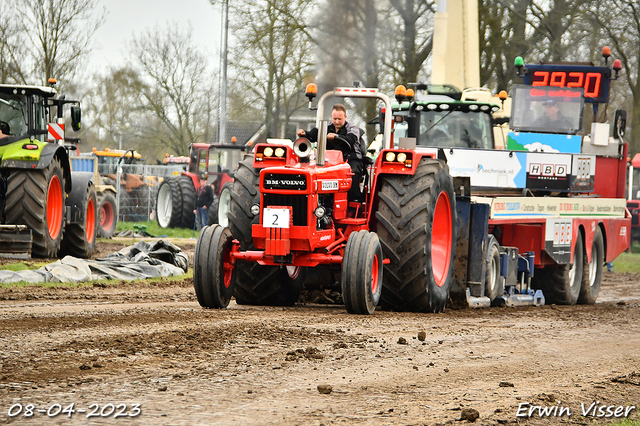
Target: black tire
{"points": [[405, 225], [212, 214], [494, 283], [188, 201], [256, 284], [362, 273], [561, 285], [592, 272], [79, 239], [107, 215], [224, 204], [246, 192], [169, 204], [213, 284], [31, 196]]}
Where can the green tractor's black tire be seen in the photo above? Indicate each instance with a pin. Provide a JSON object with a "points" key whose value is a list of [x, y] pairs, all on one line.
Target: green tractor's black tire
{"points": [[188, 201], [36, 198], [79, 239], [561, 285], [256, 284], [107, 218], [405, 225], [169, 193], [212, 215]]}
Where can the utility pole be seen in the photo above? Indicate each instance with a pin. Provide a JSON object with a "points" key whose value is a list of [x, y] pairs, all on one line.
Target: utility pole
{"points": [[223, 88]]}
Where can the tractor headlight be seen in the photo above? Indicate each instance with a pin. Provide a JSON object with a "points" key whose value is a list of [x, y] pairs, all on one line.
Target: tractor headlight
{"points": [[390, 156], [255, 209], [268, 151], [279, 152], [401, 157], [320, 211]]}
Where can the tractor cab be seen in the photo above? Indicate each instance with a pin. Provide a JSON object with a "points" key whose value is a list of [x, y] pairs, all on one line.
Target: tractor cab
{"points": [[436, 117], [25, 111]]}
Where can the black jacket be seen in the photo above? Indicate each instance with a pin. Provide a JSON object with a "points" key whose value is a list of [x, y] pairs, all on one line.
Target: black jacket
{"points": [[204, 196], [349, 132]]}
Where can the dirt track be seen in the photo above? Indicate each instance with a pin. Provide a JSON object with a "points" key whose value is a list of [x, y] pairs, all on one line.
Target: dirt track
{"points": [[151, 344]]}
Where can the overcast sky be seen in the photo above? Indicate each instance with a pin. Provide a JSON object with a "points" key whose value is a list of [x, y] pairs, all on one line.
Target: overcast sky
{"points": [[128, 17]]}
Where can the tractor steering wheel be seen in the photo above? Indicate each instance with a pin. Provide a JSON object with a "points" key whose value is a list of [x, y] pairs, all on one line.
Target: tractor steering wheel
{"points": [[342, 140]]}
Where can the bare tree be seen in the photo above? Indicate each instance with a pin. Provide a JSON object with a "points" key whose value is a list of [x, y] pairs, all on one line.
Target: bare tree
{"points": [[59, 36], [177, 89], [415, 38], [271, 56], [619, 23], [12, 51]]}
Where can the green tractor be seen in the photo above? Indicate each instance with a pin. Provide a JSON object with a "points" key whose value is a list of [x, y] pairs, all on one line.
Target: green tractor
{"points": [[38, 192]]}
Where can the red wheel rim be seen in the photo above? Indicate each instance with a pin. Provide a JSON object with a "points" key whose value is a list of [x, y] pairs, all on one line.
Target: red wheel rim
{"points": [[441, 239], [54, 208], [91, 221], [227, 268], [106, 216], [374, 275]]}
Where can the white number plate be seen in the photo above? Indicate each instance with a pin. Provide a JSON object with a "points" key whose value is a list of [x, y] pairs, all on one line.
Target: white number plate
{"points": [[329, 185], [275, 218]]}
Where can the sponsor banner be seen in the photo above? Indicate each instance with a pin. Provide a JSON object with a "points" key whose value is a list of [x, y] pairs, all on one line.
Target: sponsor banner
{"points": [[550, 207], [548, 171], [544, 142], [494, 169]]}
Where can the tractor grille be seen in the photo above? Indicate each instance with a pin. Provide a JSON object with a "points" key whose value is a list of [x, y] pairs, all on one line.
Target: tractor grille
{"points": [[297, 202]]}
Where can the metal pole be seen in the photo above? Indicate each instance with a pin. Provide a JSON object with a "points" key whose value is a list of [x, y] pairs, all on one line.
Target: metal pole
{"points": [[223, 88]]}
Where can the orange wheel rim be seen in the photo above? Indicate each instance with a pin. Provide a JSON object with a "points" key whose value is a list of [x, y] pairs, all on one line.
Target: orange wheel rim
{"points": [[54, 207], [91, 221], [374, 275], [441, 239], [106, 216]]}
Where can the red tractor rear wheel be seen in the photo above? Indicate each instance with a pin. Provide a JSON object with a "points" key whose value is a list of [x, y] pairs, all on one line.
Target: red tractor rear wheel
{"points": [[256, 284], [416, 225]]}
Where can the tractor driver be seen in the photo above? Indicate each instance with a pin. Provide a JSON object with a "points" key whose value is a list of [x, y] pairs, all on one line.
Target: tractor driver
{"points": [[353, 154]]}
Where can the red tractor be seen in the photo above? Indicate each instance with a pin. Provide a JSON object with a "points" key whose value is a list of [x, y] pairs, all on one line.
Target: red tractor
{"points": [[289, 212], [176, 198]]}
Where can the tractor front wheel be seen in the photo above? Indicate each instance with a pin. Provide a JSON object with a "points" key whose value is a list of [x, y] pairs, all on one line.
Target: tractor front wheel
{"points": [[36, 198], [80, 238], [362, 273], [213, 277], [108, 215]]}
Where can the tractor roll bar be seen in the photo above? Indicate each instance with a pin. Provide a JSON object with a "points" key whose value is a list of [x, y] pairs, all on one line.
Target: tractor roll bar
{"points": [[350, 92]]}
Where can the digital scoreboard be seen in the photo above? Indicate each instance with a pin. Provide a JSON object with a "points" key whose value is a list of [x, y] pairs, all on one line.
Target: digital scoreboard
{"points": [[593, 80]]}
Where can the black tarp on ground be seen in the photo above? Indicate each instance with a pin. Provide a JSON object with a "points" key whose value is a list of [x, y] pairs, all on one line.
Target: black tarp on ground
{"points": [[141, 260]]}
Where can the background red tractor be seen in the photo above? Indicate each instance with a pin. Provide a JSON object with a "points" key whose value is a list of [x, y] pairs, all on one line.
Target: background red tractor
{"points": [[289, 212], [176, 197]]}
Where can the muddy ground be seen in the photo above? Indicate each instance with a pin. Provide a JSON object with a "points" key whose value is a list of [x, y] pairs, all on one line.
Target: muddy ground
{"points": [[151, 344]]}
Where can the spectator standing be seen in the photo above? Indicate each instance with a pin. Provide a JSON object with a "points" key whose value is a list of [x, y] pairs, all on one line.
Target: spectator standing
{"points": [[203, 202]]}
